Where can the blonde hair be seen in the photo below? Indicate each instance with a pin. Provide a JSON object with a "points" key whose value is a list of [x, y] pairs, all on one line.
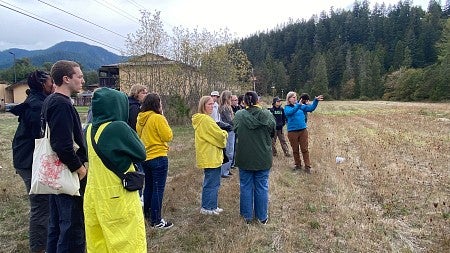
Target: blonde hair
{"points": [[202, 104], [289, 95], [136, 89], [225, 98]]}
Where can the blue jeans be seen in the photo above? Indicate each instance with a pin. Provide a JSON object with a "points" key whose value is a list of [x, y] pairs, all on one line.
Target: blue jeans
{"points": [[254, 193], [155, 182], [210, 191], [66, 225], [38, 214], [229, 151]]}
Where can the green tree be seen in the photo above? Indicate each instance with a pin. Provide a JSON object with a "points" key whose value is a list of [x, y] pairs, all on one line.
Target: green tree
{"points": [[348, 77], [91, 77], [399, 55], [375, 77], [319, 82], [441, 87]]}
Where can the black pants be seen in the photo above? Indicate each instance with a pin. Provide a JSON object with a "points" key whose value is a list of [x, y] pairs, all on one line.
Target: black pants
{"points": [[39, 212]]}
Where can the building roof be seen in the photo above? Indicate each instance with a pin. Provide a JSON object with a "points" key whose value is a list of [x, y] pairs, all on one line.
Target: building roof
{"points": [[14, 85]]}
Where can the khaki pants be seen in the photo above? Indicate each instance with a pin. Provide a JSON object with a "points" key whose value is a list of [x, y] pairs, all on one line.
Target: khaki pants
{"points": [[280, 135], [296, 139]]}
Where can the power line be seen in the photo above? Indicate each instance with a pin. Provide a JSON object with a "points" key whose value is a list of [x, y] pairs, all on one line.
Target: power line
{"points": [[137, 5], [119, 11], [34, 16], [90, 22]]}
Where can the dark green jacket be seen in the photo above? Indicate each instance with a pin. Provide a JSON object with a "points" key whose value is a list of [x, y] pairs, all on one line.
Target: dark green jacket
{"points": [[118, 141], [254, 127]]}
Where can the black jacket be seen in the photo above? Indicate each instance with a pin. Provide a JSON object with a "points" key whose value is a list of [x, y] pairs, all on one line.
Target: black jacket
{"points": [[65, 129], [280, 118], [135, 108], [29, 128]]}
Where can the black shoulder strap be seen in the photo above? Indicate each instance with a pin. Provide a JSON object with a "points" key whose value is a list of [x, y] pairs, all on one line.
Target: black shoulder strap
{"points": [[102, 156]]}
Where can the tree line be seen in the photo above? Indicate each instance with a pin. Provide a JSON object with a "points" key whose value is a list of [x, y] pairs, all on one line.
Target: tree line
{"points": [[23, 67], [397, 52]]}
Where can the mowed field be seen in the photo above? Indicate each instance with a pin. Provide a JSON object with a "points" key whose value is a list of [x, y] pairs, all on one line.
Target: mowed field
{"points": [[390, 194]]}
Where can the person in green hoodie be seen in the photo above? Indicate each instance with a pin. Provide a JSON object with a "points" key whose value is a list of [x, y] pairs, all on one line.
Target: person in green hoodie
{"points": [[255, 127], [114, 220], [210, 141]]}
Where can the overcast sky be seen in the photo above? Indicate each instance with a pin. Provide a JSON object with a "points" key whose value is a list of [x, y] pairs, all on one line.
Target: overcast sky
{"points": [[241, 17]]}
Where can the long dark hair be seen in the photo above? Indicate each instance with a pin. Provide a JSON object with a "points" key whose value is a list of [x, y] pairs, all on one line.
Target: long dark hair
{"points": [[152, 102]]}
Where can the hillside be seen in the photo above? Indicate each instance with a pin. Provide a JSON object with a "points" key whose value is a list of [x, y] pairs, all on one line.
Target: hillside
{"points": [[89, 56], [391, 53]]}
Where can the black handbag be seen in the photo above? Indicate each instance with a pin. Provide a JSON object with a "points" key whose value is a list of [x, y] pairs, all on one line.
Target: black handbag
{"points": [[131, 181]]}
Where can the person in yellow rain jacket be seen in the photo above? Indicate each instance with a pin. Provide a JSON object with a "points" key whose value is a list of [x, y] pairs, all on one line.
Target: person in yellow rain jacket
{"points": [[155, 132], [210, 141], [114, 221]]}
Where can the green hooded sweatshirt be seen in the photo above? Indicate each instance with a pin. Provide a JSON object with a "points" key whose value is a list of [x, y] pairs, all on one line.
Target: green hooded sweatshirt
{"points": [[118, 141], [254, 127]]}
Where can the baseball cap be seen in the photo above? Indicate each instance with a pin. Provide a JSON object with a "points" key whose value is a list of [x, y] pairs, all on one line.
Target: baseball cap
{"points": [[275, 99], [215, 93]]}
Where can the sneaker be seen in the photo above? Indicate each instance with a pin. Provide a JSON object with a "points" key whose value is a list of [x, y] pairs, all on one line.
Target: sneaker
{"points": [[308, 169], [218, 210], [297, 167], [209, 212], [264, 222], [163, 224]]}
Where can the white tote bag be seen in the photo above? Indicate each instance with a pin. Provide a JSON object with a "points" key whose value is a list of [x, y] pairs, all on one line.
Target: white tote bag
{"points": [[49, 174]]}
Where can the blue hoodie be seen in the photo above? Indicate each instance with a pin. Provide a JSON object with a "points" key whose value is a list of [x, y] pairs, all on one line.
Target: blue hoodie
{"points": [[295, 115]]}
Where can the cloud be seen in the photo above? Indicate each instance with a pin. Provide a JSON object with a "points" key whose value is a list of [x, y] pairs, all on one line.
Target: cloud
{"points": [[241, 17]]}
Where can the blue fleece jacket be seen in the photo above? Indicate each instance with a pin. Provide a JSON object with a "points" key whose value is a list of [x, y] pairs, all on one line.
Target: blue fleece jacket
{"points": [[295, 115]]}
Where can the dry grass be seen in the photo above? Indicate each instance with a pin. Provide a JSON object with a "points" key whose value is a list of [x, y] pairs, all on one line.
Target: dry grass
{"points": [[391, 194]]}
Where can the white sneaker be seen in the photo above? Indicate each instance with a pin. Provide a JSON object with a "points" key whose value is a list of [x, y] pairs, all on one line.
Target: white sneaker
{"points": [[208, 212], [218, 210]]}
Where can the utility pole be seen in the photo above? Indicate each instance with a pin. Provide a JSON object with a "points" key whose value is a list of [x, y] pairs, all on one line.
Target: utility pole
{"points": [[15, 76], [254, 81]]}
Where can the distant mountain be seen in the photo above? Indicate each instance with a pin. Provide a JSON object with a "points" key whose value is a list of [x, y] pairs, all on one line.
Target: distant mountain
{"points": [[90, 57]]}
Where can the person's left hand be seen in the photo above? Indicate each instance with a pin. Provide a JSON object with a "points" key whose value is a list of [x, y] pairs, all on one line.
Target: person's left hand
{"points": [[320, 97]]}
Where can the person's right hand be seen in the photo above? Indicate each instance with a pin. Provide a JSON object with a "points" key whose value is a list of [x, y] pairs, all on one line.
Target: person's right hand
{"points": [[81, 172], [320, 97]]}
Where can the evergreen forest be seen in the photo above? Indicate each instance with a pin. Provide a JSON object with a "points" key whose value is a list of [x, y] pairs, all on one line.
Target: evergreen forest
{"points": [[397, 52]]}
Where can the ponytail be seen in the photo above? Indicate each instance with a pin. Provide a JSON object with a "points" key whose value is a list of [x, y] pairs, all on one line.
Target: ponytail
{"points": [[251, 98]]}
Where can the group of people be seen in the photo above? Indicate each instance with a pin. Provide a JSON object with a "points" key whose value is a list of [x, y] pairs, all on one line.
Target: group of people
{"points": [[130, 133], [106, 217], [295, 114], [253, 127], [247, 134]]}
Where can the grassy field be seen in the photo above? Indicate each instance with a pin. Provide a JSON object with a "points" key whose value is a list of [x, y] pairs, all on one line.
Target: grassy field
{"points": [[391, 194]]}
